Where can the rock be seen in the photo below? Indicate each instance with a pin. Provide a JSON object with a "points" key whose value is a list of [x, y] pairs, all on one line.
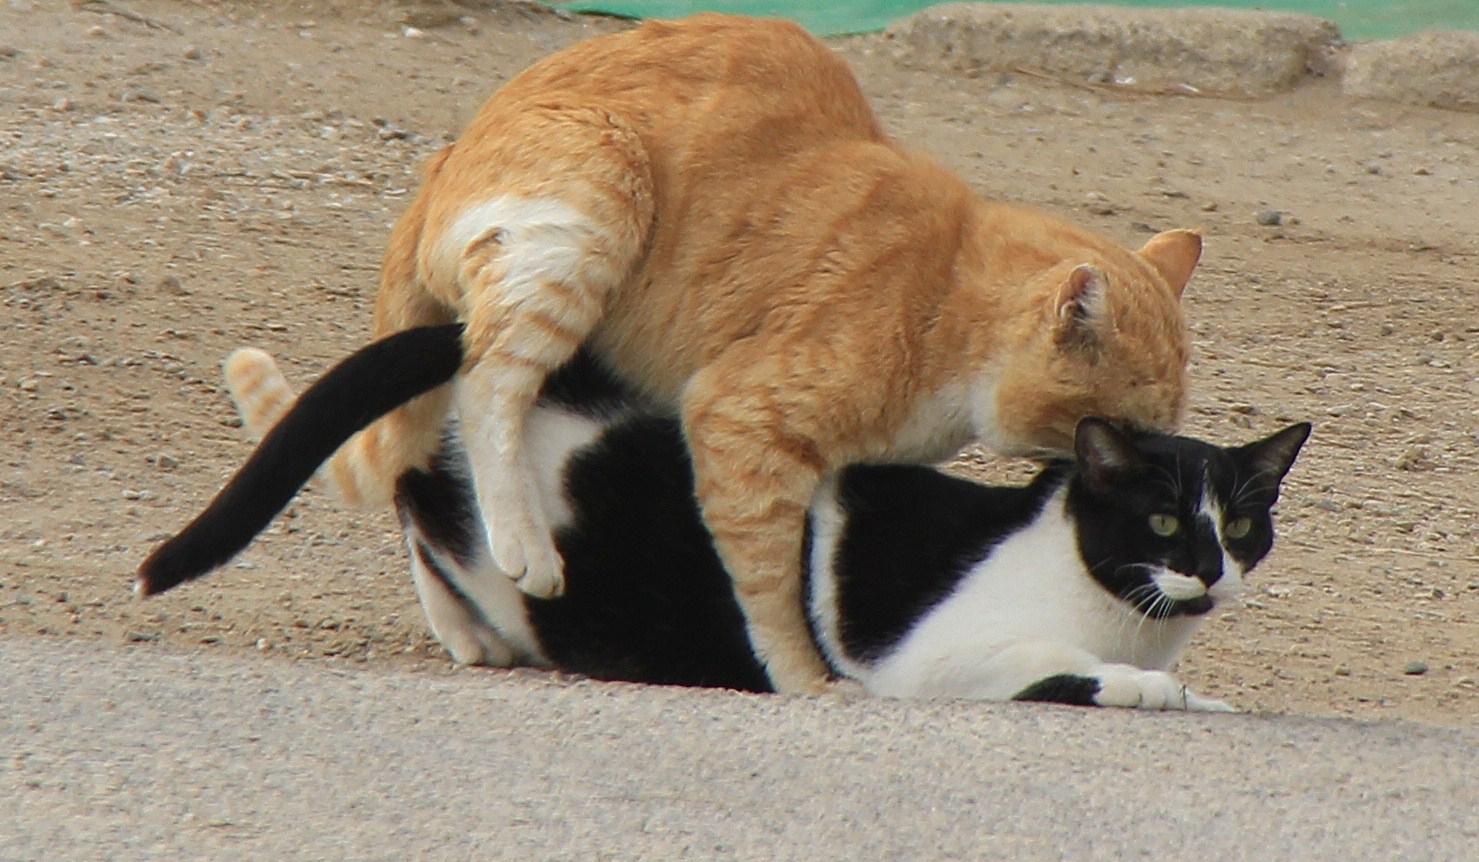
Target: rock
{"points": [[1416, 667], [1191, 50], [1438, 68], [1269, 218]]}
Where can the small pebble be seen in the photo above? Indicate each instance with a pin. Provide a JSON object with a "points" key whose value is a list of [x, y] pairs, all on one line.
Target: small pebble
{"points": [[192, 53], [1269, 218], [1416, 667]]}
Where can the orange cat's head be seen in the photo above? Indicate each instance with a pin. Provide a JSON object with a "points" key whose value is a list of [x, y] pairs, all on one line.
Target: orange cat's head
{"points": [[1106, 339]]}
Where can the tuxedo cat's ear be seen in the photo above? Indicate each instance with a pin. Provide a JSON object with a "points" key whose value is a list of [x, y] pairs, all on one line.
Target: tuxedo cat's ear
{"points": [[1079, 308], [1174, 254], [1105, 455], [1272, 456]]}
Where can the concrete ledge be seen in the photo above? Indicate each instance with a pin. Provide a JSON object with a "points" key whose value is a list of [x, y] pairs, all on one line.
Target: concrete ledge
{"points": [[1221, 51], [1439, 68]]}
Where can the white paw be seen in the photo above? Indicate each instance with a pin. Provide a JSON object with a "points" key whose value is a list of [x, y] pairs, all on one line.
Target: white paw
{"points": [[526, 553], [477, 645], [1130, 687], [522, 542]]}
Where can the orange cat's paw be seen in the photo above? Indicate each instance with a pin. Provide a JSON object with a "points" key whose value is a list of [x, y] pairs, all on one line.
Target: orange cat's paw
{"points": [[798, 669], [522, 544]]}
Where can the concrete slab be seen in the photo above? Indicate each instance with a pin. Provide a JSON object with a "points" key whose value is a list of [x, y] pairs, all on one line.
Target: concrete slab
{"points": [[1438, 68], [1221, 51], [146, 754]]}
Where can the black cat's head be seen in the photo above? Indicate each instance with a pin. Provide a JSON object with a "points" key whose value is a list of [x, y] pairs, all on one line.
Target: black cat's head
{"points": [[1171, 524]]}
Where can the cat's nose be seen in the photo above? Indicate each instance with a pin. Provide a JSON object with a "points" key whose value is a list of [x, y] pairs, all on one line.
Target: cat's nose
{"points": [[1209, 552]]}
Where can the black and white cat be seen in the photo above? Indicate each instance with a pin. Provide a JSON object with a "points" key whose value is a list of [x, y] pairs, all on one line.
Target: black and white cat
{"points": [[1081, 587]]}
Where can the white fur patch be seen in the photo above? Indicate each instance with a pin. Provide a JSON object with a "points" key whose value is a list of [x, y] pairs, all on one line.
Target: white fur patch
{"points": [[540, 240], [938, 427], [1178, 586], [1231, 582], [828, 522]]}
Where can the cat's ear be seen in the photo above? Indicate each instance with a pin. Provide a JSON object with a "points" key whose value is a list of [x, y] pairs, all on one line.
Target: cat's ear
{"points": [[1079, 308], [1105, 455], [1174, 254], [1272, 456]]}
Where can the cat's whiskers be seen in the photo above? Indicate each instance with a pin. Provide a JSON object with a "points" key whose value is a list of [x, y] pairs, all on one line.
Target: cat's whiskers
{"points": [[1144, 600]]}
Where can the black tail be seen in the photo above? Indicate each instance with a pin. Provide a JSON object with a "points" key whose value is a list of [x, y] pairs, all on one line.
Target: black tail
{"points": [[354, 393]]}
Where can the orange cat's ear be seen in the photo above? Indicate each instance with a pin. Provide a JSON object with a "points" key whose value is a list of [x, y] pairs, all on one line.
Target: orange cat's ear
{"points": [[1079, 307], [1174, 254]]}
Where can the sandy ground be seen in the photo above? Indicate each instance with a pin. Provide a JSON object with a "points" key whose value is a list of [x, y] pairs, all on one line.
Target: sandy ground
{"points": [[193, 176]]}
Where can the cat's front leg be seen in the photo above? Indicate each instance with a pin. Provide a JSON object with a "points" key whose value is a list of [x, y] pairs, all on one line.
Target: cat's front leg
{"points": [[1120, 685], [756, 468]]}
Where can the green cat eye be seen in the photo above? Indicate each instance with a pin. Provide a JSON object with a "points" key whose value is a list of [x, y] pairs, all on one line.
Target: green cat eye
{"points": [[1164, 525], [1238, 528]]}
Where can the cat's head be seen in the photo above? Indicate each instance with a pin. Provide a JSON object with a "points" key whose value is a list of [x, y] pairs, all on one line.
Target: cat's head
{"points": [[1171, 524], [1105, 337]]}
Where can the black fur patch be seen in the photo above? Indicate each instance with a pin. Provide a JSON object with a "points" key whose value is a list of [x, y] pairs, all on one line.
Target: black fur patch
{"points": [[1068, 688], [646, 597]]}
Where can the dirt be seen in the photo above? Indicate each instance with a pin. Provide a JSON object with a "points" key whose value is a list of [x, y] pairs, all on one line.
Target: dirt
{"points": [[181, 178]]}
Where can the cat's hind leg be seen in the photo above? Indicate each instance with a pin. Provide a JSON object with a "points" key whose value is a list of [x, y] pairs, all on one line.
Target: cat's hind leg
{"points": [[535, 257], [454, 621]]}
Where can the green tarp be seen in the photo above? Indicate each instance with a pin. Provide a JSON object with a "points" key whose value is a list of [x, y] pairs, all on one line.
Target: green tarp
{"points": [[1358, 19]]}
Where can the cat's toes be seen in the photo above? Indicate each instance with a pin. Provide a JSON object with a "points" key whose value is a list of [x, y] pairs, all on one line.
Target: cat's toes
{"points": [[544, 573], [1133, 688], [477, 647], [529, 558], [507, 550]]}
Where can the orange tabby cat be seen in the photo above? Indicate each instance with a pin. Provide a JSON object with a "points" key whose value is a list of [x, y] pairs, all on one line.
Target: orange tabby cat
{"points": [[712, 207]]}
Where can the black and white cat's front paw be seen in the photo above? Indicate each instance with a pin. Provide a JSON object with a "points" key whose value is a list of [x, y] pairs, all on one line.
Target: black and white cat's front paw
{"points": [[1120, 685], [1131, 687]]}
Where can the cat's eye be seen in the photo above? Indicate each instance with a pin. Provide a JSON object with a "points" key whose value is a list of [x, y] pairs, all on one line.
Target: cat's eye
{"points": [[1238, 528], [1164, 525]]}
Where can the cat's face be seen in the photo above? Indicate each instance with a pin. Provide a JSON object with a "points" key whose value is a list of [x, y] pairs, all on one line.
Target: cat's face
{"points": [[1171, 525], [1109, 341]]}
